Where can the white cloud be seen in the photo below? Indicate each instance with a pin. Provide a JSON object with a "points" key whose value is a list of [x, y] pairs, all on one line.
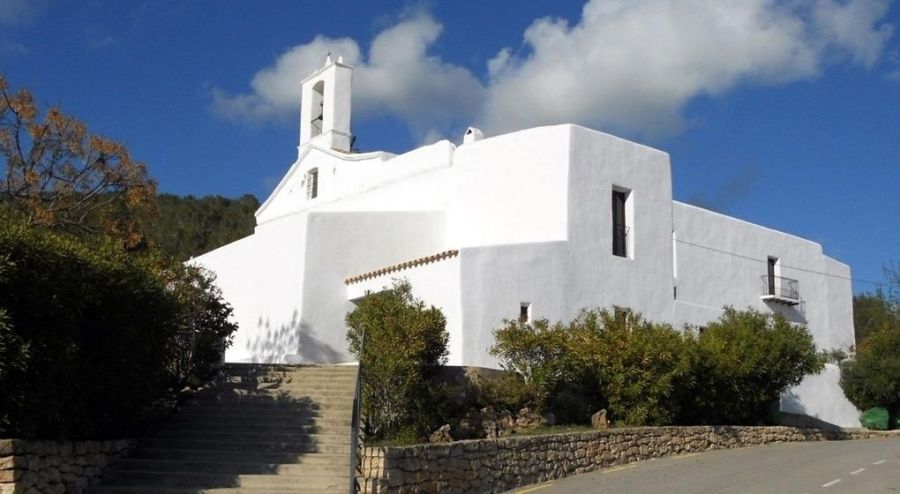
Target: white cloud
{"points": [[634, 65], [398, 77], [625, 65]]}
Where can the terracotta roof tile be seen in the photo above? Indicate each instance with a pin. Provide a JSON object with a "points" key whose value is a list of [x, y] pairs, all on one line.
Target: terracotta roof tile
{"points": [[440, 256]]}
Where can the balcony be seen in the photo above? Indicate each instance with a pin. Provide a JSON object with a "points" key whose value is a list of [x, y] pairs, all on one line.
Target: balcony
{"points": [[780, 290]]}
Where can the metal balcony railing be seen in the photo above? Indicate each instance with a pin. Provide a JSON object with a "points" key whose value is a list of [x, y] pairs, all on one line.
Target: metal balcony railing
{"points": [[780, 289]]}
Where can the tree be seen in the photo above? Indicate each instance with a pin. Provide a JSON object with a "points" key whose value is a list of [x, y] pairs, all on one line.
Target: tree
{"points": [[59, 175], [400, 343], [872, 378], [189, 226]]}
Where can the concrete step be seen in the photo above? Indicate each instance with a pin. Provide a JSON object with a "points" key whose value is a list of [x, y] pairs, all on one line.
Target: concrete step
{"points": [[338, 466], [257, 437], [261, 421], [297, 398], [262, 447], [272, 428], [300, 405], [305, 386], [238, 456], [103, 489], [213, 480]]}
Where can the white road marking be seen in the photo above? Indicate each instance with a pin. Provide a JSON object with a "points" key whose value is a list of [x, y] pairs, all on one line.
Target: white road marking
{"points": [[858, 471], [879, 462], [829, 484]]}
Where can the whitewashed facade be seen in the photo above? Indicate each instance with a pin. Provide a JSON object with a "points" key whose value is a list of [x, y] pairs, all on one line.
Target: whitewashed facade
{"points": [[537, 223]]}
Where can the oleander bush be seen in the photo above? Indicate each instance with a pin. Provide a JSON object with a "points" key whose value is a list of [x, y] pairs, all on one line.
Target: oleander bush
{"points": [[400, 344], [89, 336], [646, 373], [742, 363]]}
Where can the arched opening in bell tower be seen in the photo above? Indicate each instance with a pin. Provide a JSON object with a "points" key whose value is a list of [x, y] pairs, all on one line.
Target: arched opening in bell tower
{"points": [[318, 108]]}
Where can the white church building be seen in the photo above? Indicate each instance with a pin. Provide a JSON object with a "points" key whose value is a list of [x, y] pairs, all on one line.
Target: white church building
{"points": [[538, 223]]}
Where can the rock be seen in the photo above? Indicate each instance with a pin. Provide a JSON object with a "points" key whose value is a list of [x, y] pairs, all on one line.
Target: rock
{"points": [[599, 421], [506, 424], [442, 435], [528, 419]]}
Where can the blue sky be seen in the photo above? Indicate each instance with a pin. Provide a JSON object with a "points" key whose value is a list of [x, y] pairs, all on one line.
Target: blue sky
{"points": [[784, 114]]}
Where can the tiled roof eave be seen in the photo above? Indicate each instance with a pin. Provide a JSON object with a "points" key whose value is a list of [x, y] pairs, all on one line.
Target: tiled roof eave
{"points": [[440, 256]]}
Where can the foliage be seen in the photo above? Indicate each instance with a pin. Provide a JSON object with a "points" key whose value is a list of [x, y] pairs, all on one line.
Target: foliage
{"points": [[400, 343], [743, 362], [91, 333], [204, 328], [651, 374], [189, 226], [632, 366], [873, 312], [539, 353], [506, 392], [61, 176], [873, 377], [643, 367]]}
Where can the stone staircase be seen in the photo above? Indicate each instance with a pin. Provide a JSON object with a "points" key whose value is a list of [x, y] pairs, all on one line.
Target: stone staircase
{"points": [[260, 429]]}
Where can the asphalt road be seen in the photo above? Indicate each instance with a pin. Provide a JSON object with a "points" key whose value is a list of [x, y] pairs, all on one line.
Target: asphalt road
{"points": [[826, 467]]}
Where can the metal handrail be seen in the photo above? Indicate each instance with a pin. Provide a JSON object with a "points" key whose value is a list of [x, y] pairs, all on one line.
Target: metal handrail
{"points": [[788, 288], [355, 466]]}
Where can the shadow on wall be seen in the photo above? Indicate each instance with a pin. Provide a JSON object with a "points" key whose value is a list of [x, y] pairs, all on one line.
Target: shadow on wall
{"points": [[797, 415], [293, 342], [793, 313]]}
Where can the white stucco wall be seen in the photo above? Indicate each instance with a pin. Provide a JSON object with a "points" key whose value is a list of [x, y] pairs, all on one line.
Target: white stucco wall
{"points": [[438, 283], [261, 277], [346, 243]]}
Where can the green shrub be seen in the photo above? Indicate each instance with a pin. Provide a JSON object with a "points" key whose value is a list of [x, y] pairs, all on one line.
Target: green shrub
{"points": [[400, 343], [872, 379], [632, 367], [204, 328], [742, 364], [506, 392], [644, 368], [95, 324], [538, 353], [89, 340]]}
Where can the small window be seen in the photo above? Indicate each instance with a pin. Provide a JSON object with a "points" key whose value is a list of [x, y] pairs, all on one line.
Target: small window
{"points": [[312, 183], [622, 214], [525, 313]]}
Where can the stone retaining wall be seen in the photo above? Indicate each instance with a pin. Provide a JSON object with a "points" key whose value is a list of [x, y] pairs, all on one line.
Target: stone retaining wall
{"points": [[49, 467], [501, 464]]}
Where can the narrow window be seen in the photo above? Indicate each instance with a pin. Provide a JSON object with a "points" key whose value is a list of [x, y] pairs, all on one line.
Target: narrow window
{"points": [[772, 273], [312, 183], [525, 313], [621, 222]]}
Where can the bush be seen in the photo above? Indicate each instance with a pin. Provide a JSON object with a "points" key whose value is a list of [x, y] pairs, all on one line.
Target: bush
{"points": [[872, 379], [399, 343], [204, 328], [88, 342], [634, 368], [539, 353], [651, 374], [743, 362]]}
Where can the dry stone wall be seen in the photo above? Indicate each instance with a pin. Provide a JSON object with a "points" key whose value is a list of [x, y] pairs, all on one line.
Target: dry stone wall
{"points": [[498, 465], [50, 467]]}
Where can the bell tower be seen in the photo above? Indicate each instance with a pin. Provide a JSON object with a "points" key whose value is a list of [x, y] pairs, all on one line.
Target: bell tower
{"points": [[325, 106]]}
